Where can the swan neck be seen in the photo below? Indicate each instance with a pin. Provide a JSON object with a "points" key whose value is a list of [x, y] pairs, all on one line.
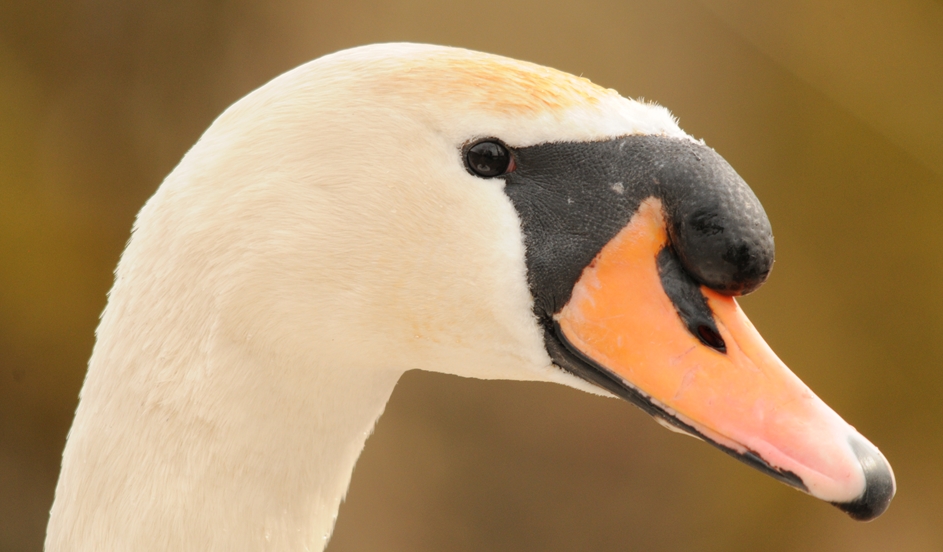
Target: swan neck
{"points": [[234, 450]]}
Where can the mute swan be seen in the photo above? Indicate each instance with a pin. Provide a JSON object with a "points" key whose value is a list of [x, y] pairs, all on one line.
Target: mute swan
{"points": [[402, 206]]}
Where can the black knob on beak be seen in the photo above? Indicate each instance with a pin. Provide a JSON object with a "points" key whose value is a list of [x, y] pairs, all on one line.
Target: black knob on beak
{"points": [[717, 226]]}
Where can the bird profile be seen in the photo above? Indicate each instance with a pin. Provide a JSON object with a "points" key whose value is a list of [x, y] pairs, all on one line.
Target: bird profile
{"points": [[403, 206]]}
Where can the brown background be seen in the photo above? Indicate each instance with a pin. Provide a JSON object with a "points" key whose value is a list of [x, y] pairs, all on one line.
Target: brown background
{"points": [[833, 111]]}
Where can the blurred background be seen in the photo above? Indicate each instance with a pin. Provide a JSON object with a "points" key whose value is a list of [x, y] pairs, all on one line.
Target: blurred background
{"points": [[832, 111]]}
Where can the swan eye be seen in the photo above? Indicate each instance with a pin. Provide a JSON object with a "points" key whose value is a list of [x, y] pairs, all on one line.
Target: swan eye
{"points": [[489, 158]]}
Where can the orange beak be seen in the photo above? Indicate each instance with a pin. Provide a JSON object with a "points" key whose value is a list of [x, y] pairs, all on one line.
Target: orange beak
{"points": [[744, 399]]}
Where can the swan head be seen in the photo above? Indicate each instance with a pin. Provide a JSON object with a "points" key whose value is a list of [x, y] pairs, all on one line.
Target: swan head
{"points": [[403, 206]]}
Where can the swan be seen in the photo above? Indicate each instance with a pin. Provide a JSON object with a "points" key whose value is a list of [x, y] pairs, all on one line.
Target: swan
{"points": [[402, 206]]}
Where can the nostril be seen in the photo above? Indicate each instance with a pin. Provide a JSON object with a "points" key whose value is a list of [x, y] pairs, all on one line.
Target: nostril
{"points": [[711, 338], [689, 301]]}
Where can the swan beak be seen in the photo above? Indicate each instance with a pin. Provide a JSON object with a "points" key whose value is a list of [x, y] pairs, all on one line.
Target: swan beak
{"points": [[733, 391]]}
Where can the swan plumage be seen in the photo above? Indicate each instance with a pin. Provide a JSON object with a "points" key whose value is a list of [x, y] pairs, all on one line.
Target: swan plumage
{"points": [[322, 237]]}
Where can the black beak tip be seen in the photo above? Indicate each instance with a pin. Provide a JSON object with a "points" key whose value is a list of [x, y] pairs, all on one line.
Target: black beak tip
{"points": [[879, 483]]}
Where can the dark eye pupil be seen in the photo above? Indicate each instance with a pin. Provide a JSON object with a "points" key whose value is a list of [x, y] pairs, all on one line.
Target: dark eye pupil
{"points": [[488, 159], [711, 338]]}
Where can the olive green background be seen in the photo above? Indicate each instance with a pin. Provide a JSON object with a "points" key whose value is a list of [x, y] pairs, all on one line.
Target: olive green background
{"points": [[832, 111]]}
